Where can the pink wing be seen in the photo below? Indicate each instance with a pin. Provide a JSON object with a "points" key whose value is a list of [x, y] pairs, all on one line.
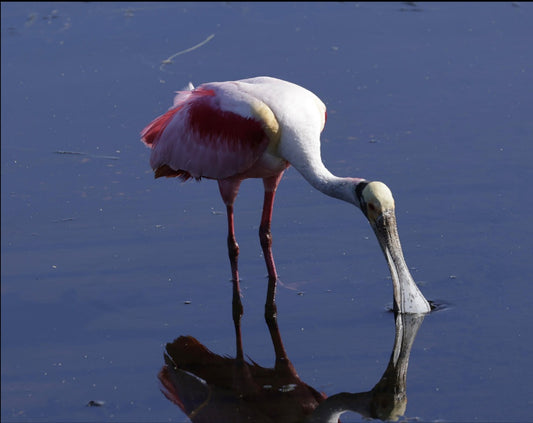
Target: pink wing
{"points": [[198, 137]]}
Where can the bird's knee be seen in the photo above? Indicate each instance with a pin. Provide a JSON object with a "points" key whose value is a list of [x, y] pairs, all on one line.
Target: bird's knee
{"points": [[233, 248], [265, 236]]}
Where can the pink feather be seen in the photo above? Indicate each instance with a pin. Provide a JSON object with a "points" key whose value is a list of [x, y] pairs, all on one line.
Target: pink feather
{"points": [[197, 138]]}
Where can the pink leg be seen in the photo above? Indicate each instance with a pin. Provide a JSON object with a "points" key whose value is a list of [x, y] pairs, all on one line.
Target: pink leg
{"points": [[265, 237], [228, 190], [233, 247]]}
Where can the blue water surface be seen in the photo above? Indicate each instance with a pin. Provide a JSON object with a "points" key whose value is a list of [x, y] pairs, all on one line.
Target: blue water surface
{"points": [[102, 266]]}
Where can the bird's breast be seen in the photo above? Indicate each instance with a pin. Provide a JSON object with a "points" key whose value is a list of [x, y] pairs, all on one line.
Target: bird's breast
{"points": [[269, 164]]}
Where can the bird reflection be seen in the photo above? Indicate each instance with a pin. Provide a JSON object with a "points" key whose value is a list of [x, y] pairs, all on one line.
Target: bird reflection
{"points": [[211, 388]]}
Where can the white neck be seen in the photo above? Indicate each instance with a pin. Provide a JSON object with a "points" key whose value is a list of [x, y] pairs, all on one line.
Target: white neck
{"points": [[300, 146], [323, 180]]}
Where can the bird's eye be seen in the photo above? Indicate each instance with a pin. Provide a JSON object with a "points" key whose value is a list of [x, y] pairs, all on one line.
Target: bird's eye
{"points": [[371, 207]]}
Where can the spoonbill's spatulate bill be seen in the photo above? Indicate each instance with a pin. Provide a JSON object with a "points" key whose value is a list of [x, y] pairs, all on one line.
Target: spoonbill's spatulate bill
{"points": [[256, 128]]}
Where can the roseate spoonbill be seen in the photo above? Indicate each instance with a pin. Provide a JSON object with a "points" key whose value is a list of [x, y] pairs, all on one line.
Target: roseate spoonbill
{"points": [[256, 128]]}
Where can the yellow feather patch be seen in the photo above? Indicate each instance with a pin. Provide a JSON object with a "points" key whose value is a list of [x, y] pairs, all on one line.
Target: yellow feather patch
{"points": [[270, 124]]}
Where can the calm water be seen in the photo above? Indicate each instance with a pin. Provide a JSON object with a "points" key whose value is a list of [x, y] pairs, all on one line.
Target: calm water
{"points": [[102, 265]]}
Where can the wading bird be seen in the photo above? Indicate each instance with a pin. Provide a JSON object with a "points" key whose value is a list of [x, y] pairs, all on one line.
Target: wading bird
{"points": [[256, 128]]}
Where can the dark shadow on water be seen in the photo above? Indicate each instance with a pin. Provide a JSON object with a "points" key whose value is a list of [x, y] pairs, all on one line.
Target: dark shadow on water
{"points": [[211, 388]]}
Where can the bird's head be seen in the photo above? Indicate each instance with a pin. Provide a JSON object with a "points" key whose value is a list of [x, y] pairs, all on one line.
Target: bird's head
{"points": [[377, 203], [374, 198]]}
